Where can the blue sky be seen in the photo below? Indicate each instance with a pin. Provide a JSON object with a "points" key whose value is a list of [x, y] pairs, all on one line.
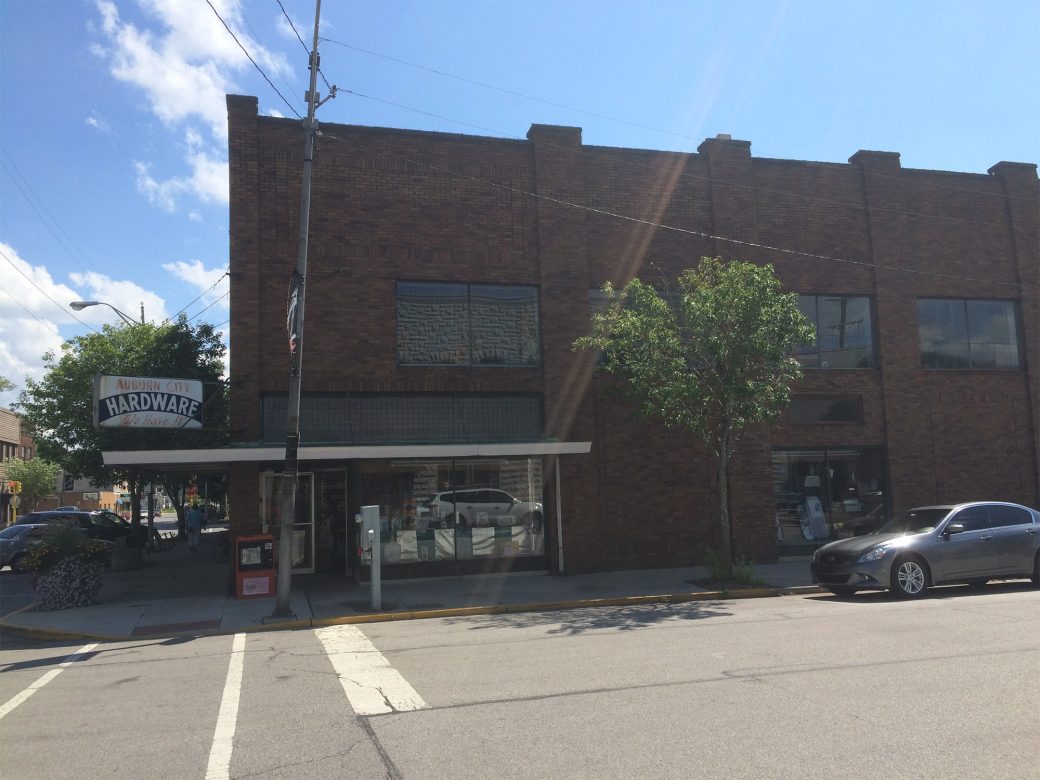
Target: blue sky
{"points": [[113, 176]]}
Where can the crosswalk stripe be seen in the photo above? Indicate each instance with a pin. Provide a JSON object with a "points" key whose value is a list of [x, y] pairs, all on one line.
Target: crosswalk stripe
{"points": [[219, 767], [14, 701], [372, 685]]}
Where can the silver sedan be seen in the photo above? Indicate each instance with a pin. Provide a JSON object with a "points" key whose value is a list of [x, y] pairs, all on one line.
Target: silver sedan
{"points": [[935, 545]]}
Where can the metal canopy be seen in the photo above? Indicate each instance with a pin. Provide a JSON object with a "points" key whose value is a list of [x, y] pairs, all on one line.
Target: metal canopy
{"points": [[229, 455]]}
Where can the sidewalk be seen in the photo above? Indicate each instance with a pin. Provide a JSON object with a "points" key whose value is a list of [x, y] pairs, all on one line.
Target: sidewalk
{"points": [[180, 592]]}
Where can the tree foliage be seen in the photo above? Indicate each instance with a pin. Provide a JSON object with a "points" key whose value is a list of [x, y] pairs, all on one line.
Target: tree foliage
{"points": [[58, 409], [712, 355], [5, 384], [38, 477]]}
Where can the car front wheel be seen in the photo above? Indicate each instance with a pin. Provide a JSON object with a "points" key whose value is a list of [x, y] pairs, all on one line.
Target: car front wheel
{"points": [[909, 578]]}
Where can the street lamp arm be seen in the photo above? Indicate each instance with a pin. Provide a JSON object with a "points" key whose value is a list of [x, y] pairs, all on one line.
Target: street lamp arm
{"points": [[80, 305]]}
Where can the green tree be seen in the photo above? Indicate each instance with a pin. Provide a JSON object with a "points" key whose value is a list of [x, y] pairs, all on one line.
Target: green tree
{"points": [[39, 479], [5, 384], [58, 409], [712, 355]]}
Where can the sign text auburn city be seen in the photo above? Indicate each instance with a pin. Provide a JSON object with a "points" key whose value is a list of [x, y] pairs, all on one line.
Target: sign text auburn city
{"points": [[147, 402]]}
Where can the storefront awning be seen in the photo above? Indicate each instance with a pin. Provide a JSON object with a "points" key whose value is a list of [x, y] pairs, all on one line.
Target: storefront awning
{"points": [[229, 455]]}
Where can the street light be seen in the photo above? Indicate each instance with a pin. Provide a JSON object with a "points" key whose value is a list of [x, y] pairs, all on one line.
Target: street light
{"points": [[80, 305]]}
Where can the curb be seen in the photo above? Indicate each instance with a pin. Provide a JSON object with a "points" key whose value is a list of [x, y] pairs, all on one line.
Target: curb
{"points": [[429, 614]]}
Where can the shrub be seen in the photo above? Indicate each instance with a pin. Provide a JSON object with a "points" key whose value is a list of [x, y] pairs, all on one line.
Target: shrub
{"points": [[65, 542], [67, 568]]}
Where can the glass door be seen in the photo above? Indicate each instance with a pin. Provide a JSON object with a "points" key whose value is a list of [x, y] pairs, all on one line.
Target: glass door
{"points": [[303, 530]]}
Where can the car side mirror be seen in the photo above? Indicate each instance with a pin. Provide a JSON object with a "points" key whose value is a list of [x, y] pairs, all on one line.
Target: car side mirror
{"points": [[953, 528]]}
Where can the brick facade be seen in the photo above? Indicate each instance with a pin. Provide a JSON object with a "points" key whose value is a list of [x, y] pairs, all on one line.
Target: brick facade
{"points": [[393, 205]]}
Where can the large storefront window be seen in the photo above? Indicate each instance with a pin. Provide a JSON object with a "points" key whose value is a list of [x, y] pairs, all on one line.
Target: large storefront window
{"points": [[827, 494], [456, 510]]}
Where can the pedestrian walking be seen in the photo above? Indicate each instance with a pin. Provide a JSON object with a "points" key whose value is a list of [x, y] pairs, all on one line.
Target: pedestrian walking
{"points": [[194, 520]]}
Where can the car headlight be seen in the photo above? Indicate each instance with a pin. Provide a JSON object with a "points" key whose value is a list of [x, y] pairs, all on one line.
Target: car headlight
{"points": [[872, 555]]}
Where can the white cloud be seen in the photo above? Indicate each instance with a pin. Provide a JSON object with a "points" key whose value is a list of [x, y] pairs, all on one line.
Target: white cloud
{"points": [[128, 297], [199, 280], [275, 112], [32, 292], [34, 310], [194, 216], [208, 180], [97, 122], [23, 342], [184, 67]]}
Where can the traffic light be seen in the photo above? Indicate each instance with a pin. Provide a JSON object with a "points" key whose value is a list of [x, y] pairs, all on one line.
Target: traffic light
{"points": [[14, 486]]}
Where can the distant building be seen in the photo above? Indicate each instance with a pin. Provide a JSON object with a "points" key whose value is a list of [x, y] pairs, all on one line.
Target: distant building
{"points": [[13, 444]]}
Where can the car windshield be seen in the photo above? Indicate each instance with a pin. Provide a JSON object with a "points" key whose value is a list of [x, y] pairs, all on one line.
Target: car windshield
{"points": [[14, 531], [915, 521]]}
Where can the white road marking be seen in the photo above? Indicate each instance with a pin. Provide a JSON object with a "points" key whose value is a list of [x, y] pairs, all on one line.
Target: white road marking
{"points": [[219, 766], [372, 685], [14, 701]]}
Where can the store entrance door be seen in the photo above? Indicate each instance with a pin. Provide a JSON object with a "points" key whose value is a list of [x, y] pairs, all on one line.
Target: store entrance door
{"points": [[303, 530]]}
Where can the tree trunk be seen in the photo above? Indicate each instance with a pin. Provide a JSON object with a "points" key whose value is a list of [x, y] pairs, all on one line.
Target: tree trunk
{"points": [[723, 497]]}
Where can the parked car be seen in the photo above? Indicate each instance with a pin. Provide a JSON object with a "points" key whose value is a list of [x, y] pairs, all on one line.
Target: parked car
{"points": [[935, 545], [95, 525], [481, 507], [67, 509], [16, 541]]}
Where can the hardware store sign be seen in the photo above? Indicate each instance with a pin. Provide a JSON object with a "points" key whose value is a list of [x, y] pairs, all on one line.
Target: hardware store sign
{"points": [[146, 402]]}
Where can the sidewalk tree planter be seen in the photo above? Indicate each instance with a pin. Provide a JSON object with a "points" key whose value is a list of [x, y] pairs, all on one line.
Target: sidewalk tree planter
{"points": [[68, 569]]}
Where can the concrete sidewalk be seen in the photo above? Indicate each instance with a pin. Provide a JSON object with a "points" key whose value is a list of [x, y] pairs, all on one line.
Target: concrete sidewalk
{"points": [[180, 592]]}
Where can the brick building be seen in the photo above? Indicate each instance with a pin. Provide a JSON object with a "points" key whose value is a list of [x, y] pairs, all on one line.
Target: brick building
{"points": [[449, 276]]}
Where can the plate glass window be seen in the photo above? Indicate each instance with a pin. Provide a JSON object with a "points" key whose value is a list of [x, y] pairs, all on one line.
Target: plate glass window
{"points": [[967, 333], [844, 334]]}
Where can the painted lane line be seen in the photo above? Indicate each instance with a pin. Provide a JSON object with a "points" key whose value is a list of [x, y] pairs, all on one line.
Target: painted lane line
{"points": [[219, 767], [372, 685], [14, 701]]}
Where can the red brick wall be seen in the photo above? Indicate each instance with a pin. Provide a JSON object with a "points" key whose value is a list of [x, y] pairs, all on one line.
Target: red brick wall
{"points": [[393, 205]]}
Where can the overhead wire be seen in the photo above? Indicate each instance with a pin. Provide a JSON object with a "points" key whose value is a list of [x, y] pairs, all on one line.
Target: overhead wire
{"points": [[304, 45], [44, 293], [248, 55], [48, 221], [24, 308], [212, 303], [672, 228], [257, 38], [595, 114], [683, 174], [184, 308]]}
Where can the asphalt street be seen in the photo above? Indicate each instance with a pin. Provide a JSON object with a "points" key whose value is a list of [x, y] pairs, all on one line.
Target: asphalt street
{"points": [[794, 687]]}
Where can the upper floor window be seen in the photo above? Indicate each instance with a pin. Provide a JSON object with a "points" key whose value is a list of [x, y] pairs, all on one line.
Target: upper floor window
{"points": [[844, 335], [967, 333], [467, 325]]}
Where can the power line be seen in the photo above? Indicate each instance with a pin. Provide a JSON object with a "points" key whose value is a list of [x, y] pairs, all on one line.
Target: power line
{"points": [[261, 70], [304, 45], [686, 231], [215, 301], [684, 174], [256, 37], [597, 115], [24, 308], [52, 223], [172, 316], [45, 295]]}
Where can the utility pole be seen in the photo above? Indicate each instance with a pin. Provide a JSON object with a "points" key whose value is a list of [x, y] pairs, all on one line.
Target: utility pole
{"points": [[294, 324]]}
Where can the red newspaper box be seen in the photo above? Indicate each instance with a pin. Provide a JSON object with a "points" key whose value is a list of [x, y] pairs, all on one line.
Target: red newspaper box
{"points": [[254, 566]]}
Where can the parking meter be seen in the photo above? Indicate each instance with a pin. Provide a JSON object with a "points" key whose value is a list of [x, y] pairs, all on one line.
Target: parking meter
{"points": [[370, 541]]}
